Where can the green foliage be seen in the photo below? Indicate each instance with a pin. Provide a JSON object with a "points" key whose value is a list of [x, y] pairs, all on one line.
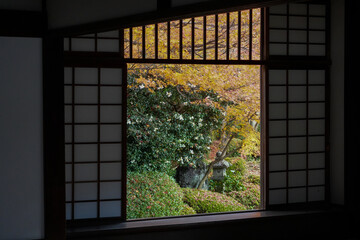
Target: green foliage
{"points": [[253, 179], [165, 129], [249, 197], [153, 194], [203, 201], [187, 210], [233, 181]]}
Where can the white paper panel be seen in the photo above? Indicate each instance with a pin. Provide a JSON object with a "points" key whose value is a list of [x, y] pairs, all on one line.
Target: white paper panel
{"points": [[85, 191], [317, 36], [317, 9], [277, 76], [297, 195], [85, 172], [317, 160], [297, 127], [108, 45], [68, 193], [277, 35], [83, 44], [297, 36], [317, 93], [297, 110], [277, 128], [316, 76], [68, 153], [316, 177], [297, 49], [110, 171], [86, 133], [297, 161], [85, 94], [317, 23], [297, 93], [297, 22], [68, 133], [277, 163], [297, 76], [316, 144], [110, 152], [297, 144], [316, 193], [68, 211], [67, 94], [86, 114], [277, 94], [277, 145], [110, 133], [278, 22], [277, 196], [68, 172], [110, 190], [110, 209], [85, 152], [66, 44], [110, 114], [277, 111], [278, 9], [86, 75], [67, 75], [277, 49], [317, 50], [67, 114], [316, 110], [110, 94], [277, 180], [297, 9], [111, 76], [297, 178], [85, 210]]}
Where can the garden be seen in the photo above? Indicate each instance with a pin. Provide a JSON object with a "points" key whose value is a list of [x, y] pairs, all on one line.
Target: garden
{"points": [[193, 139]]}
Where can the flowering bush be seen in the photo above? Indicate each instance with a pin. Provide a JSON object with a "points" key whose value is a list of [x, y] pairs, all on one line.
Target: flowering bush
{"points": [[154, 194], [166, 129], [203, 201]]}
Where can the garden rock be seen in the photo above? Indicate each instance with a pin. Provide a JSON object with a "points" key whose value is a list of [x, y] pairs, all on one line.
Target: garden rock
{"points": [[190, 177]]}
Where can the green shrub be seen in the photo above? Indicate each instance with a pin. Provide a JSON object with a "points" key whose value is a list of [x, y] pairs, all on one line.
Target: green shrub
{"points": [[203, 201], [153, 194], [187, 210], [255, 179], [249, 197], [233, 181]]}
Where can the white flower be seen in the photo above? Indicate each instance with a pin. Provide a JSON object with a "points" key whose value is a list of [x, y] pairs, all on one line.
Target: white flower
{"points": [[200, 120], [168, 94], [196, 138], [141, 86], [191, 151], [181, 117], [128, 121], [200, 124], [191, 118], [186, 103]]}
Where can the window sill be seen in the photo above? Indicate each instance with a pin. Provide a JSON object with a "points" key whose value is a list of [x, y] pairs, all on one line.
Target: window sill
{"points": [[175, 223]]}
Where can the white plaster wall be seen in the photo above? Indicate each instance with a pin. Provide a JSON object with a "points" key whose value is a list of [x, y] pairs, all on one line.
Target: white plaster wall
{"points": [[21, 147], [337, 102]]}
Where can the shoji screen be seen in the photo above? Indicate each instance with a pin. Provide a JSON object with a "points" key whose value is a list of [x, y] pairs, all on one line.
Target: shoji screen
{"points": [[297, 104], [94, 141]]}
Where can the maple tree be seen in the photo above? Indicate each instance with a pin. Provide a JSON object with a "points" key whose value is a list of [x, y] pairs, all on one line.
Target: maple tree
{"points": [[236, 86]]}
